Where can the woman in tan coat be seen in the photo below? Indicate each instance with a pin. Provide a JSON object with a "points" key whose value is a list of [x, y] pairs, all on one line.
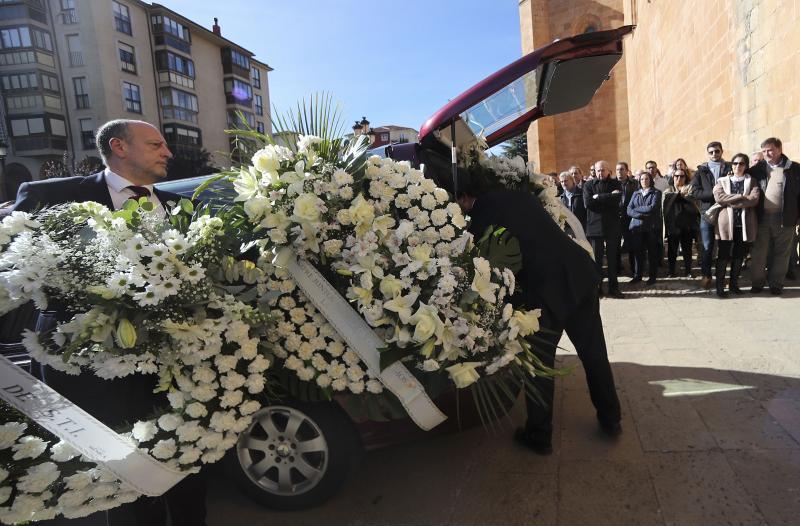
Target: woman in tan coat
{"points": [[737, 193]]}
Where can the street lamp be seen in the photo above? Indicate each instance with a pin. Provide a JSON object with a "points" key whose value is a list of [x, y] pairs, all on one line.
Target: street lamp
{"points": [[3, 153]]}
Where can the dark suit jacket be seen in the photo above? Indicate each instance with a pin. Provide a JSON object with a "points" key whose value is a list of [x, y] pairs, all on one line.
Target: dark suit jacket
{"points": [[113, 402], [576, 207], [39, 194], [556, 273], [603, 213], [791, 190]]}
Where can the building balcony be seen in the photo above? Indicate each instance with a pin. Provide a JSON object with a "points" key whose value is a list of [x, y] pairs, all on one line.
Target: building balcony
{"points": [[176, 79], [68, 17], [40, 145], [162, 38], [23, 11], [233, 100]]}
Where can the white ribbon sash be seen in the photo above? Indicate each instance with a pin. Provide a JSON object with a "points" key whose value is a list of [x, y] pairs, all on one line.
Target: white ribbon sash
{"points": [[362, 339], [84, 432]]}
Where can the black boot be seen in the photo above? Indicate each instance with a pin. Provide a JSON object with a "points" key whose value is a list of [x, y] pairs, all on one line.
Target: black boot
{"points": [[722, 265], [736, 269]]}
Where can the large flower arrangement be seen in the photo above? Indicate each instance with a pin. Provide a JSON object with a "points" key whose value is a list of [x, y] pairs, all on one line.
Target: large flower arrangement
{"points": [[160, 301], [395, 246], [197, 302]]}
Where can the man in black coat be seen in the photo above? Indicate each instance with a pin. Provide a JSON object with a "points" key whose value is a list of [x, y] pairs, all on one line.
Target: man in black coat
{"points": [[572, 197], [702, 189], [629, 186], [778, 212], [136, 157], [603, 197], [559, 277]]}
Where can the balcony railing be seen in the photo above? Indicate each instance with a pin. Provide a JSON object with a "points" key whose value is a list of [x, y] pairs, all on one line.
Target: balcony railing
{"points": [[76, 58], [68, 17]]}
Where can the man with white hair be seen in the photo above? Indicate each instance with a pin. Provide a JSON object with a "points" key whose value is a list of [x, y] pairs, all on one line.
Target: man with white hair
{"points": [[602, 197]]}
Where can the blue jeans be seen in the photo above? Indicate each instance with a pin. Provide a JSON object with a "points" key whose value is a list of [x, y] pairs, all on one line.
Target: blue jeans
{"points": [[706, 247]]}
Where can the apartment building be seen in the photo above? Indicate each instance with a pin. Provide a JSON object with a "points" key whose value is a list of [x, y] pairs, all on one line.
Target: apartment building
{"points": [[67, 66]]}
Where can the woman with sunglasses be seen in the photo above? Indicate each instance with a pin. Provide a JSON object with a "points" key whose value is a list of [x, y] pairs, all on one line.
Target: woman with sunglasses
{"points": [[737, 224], [681, 219], [679, 164]]}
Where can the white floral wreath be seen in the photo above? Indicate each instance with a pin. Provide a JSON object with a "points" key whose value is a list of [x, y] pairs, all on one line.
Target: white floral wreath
{"points": [[139, 276]]}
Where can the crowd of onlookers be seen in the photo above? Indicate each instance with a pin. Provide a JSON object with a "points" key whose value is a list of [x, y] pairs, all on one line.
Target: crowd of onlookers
{"points": [[731, 210]]}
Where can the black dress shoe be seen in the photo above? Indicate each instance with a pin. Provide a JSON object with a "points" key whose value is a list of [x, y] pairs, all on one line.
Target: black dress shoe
{"points": [[616, 294], [636, 279], [610, 428], [776, 291], [540, 446], [651, 281], [756, 290]]}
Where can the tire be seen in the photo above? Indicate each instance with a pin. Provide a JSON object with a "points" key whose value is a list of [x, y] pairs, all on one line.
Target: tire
{"points": [[295, 455]]}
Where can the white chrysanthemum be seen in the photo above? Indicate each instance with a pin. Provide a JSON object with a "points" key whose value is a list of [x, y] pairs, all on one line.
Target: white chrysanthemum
{"points": [[38, 477], [169, 421], [63, 452], [28, 447], [144, 431], [164, 449], [11, 431]]}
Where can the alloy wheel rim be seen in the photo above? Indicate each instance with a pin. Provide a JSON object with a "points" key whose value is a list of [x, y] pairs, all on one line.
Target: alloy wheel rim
{"points": [[283, 451]]}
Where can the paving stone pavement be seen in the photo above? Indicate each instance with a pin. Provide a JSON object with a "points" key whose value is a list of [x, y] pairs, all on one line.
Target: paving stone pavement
{"points": [[710, 391]]}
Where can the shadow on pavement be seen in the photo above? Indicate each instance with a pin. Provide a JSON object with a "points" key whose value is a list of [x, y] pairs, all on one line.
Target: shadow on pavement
{"points": [[700, 446]]}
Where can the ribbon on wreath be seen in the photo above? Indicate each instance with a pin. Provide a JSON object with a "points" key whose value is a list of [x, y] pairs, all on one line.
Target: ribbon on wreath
{"points": [[83, 432], [362, 339]]}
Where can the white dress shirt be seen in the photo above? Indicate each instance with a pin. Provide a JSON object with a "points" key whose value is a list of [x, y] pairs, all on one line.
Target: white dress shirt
{"points": [[118, 188]]}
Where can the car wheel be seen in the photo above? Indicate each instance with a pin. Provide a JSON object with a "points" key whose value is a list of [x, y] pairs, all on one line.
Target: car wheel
{"points": [[295, 455]]}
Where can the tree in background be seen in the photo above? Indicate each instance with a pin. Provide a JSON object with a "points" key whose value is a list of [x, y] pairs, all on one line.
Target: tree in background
{"points": [[516, 147], [88, 165], [188, 163]]}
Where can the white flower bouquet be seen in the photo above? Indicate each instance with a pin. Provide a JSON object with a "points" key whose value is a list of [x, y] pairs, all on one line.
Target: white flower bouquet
{"points": [[393, 244], [173, 300]]}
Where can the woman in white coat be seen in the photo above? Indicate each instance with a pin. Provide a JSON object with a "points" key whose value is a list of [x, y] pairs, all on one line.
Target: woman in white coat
{"points": [[738, 194]]}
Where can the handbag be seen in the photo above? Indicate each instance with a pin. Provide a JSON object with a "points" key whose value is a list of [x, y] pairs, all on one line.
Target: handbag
{"points": [[712, 214]]}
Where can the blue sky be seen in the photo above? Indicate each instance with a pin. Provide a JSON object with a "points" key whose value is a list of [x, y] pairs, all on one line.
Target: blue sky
{"points": [[395, 62]]}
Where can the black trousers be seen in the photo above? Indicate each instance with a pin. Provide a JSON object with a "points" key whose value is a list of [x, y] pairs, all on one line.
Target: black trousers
{"points": [[646, 242], [585, 329], [607, 246], [684, 239], [115, 403]]}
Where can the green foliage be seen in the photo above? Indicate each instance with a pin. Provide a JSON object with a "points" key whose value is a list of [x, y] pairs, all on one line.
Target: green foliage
{"points": [[516, 147], [188, 163], [500, 248]]}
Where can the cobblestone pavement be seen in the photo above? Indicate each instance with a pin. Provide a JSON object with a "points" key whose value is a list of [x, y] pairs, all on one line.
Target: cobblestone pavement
{"points": [[710, 390]]}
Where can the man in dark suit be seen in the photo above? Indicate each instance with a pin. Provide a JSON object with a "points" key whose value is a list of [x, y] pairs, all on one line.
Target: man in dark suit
{"points": [[136, 155], [603, 197], [572, 197], [559, 277], [702, 189]]}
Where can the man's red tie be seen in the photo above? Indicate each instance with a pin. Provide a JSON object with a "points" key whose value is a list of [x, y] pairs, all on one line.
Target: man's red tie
{"points": [[138, 192]]}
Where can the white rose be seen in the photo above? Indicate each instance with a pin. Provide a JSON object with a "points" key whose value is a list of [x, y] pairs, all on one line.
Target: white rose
{"points": [[426, 323], [307, 208], [464, 374]]}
